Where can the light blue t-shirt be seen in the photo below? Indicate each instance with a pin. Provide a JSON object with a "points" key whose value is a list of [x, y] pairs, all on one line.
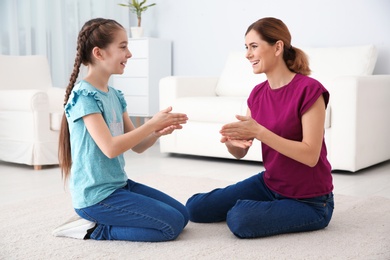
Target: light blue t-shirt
{"points": [[94, 176]]}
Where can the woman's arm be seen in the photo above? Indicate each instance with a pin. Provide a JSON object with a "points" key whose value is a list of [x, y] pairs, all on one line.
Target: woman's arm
{"points": [[306, 151], [142, 137]]}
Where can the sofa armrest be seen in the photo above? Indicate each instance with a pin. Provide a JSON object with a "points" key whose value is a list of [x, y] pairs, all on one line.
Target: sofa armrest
{"points": [[360, 120], [23, 100], [56, 98], [174, 87]]}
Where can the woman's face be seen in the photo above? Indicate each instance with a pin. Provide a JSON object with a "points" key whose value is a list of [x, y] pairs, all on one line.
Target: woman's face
{"points": [[260, 53]]}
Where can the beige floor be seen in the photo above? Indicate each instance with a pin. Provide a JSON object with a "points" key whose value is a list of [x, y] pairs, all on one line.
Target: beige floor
{"points": [[19, 182]]}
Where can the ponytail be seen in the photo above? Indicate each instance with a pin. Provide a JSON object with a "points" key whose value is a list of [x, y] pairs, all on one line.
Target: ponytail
{"points": [[296, 60]]}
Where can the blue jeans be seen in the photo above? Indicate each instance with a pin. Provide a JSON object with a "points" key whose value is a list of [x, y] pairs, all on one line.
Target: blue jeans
{"points": [[252, 210], [136, 212]]}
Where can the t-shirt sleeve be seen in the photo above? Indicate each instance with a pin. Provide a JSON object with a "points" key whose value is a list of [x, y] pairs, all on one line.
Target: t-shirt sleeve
{"points": [[82, 103], [121, 99], [311, 94]]}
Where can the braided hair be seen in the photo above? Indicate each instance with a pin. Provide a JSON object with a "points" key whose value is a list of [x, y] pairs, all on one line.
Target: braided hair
{"points": [[98, 32], [272, 30]]}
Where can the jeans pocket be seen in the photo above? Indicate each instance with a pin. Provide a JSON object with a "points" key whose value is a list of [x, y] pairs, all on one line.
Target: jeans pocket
{"points": [[324, 205]]}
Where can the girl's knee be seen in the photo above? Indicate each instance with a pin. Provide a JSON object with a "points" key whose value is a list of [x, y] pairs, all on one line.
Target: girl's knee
{"points": [[175, 227]]}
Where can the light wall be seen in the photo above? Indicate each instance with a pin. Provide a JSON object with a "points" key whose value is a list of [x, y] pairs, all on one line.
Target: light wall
{"points": [[204, 31]]}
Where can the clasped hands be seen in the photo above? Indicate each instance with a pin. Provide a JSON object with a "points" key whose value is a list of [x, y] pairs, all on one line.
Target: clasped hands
{"points": [[240, 133]]}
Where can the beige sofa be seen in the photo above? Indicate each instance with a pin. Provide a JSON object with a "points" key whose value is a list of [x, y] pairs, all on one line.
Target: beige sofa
{"points": [[30, 111], [357, 125]]}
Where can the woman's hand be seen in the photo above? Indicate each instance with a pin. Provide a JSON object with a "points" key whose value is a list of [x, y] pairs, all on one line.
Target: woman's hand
{"points": [[245, 129], [244, 144]]}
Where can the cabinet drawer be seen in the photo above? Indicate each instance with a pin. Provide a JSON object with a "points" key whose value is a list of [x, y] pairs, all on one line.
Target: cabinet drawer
{"points": [[136, 68], [131, 86], [137, 106], [139, 48]]}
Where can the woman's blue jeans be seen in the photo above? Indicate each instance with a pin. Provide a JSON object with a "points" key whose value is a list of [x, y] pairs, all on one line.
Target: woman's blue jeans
{"points": [[252, 210], [136, 212]]}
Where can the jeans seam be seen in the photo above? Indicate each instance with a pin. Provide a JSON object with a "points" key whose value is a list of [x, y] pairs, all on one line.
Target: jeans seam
{"points": [[171, 232]]}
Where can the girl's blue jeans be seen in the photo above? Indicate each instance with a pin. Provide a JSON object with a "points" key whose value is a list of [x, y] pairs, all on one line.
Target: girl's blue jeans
{"points": [[136, 212], [252, 210]]}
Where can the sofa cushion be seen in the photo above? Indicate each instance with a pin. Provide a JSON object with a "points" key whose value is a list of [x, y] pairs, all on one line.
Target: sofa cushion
{"points": [[329, 63], [237, 78], [211, 109]]}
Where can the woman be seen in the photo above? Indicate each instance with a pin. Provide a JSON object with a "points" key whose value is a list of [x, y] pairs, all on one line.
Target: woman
{"points": [[96, 131], [286, 113]]}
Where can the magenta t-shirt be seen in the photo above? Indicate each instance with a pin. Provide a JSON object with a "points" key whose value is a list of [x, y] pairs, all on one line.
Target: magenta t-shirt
{"points": [[280, 110]]}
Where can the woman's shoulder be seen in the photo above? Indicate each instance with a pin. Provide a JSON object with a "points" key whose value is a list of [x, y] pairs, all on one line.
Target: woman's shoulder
{"points": [[306, 79], [307, 82], [310, 87]]}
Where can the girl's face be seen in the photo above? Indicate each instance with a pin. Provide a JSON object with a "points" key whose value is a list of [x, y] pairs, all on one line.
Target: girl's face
{"points": [[117, 53], [260, 53]]}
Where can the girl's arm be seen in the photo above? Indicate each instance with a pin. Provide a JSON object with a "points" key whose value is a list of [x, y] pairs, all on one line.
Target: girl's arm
{"points": [[306, 151], [113, 146]]}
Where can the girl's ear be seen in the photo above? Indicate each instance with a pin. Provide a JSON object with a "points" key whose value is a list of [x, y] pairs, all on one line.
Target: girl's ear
{"points": [[279, 46], [97, 53]]}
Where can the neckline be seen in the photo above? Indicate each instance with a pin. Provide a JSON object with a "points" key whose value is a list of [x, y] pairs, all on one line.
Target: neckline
{"points": [[284, 86]]}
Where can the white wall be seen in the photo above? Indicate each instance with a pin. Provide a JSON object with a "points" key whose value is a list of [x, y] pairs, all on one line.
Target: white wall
{"points": [[204, 31]]}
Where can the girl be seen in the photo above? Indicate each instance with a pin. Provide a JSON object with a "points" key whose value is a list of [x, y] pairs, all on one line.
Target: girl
{"points": [[286, 113], [96, 131]]}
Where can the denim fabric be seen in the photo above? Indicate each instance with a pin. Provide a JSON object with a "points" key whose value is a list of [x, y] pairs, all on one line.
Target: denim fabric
{"points": [[136, 213], [252, 210]]}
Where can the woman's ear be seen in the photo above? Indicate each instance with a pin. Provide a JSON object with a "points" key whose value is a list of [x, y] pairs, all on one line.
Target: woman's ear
{"points": [[279, 46]]}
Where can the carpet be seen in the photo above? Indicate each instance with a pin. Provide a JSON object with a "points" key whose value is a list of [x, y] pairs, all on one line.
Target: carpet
{"points": [[360, 229]]}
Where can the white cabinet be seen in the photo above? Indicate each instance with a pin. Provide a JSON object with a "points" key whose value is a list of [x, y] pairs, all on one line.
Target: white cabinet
{"points": [[150, 62]]}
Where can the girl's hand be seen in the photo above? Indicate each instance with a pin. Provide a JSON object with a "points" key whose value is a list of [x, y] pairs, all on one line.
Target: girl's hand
{"points": [[166, 131], [165, 119]]}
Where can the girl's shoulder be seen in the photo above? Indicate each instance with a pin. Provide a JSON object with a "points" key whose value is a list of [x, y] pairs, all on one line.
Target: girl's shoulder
{"points": [[119, 94]]}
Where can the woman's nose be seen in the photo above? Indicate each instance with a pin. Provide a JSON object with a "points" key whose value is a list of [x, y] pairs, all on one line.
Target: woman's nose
{"points": [[248, 55]]}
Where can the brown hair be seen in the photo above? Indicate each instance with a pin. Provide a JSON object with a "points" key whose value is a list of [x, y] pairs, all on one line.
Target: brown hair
{"points": [[272, 30], [99, 33]]}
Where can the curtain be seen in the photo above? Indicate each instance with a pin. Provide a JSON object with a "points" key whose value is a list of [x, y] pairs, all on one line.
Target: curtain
{"points": [[50, 28]]}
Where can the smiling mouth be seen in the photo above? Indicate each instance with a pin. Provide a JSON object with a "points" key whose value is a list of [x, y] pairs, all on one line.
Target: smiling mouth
{"points": [[255, 62]]}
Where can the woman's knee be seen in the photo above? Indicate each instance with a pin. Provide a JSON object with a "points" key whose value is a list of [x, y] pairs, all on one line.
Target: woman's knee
{"points": [[244, 221], [237, 222], [194, 207]]}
